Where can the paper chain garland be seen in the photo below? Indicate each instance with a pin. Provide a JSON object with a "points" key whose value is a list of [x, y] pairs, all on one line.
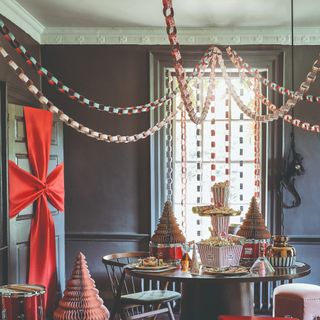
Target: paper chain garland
{"points": [[71, 122], [177, 64], [238, 61], [75, 96], [304, 88]]}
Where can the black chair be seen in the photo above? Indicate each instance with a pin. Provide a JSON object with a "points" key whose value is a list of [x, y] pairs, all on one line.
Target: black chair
{"points": [[131, 299]]}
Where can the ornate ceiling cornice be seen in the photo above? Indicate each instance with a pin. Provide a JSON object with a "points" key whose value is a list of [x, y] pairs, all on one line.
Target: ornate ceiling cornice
{"points": [[187, 36], [12, 10]]}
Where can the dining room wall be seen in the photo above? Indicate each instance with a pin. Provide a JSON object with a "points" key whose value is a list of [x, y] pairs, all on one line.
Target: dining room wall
{"points": [[302, 224], [108, 185]]}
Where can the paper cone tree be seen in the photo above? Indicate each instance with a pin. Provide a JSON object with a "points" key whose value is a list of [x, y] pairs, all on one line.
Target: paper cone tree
{"points": [[253, 225], [81, 299], [168, 230]]}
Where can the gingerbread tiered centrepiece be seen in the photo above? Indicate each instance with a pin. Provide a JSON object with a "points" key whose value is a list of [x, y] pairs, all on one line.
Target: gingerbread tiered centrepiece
{"points": [[166, 243], [81, 299], [221, 250], [253, 228]]}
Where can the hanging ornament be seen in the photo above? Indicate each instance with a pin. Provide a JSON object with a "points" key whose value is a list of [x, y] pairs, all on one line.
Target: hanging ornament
{"points": [[183, 169], [169, 140], [257, 130], [198, 147], [213, 138], [227, 138]]}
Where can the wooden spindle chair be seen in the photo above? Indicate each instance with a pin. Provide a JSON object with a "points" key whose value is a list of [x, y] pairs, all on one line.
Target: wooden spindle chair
{"points": [[136, 298]]}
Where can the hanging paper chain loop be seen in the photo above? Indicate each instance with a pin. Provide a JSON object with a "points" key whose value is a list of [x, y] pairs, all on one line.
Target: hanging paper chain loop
{"points": [[246, 68], [74, 124], [75, 96]]}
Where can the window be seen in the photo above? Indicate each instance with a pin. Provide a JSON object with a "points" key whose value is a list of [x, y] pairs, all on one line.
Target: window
{"points": [[232, 145], [240, 151]]}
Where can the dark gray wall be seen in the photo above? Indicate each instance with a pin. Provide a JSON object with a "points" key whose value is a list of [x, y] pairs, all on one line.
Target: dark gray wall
{"points": [[302, 224], [107, 185]]}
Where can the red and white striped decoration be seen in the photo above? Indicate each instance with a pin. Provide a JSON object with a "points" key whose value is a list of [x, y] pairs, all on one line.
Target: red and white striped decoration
{"points": [[227, 135], [199, 146], [220, 225], [241, 156], [213, 135], [183, 168], [169, 139], [257, 149], [219, 257]]}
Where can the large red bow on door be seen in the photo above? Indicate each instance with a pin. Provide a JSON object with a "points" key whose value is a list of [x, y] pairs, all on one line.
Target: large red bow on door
{"points": [[25, 188]]}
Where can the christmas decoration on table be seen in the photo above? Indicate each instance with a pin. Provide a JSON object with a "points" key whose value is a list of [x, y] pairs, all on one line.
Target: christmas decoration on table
{"points": [[280, 253], [262, 267], [81, 299], [220, 251], [26, 188], [167, 241], [219, 211], [195, 265], [253, 228]]}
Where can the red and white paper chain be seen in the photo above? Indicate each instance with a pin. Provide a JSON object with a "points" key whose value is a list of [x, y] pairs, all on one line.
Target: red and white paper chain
{"points": [[70, 121]]}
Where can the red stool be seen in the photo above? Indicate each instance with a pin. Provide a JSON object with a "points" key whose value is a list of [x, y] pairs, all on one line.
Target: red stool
{"points": [[297, 300], [251, 318]]}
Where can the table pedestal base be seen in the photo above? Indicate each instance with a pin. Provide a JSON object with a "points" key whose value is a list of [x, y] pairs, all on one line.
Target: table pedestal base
{"points": [[204, 301]]}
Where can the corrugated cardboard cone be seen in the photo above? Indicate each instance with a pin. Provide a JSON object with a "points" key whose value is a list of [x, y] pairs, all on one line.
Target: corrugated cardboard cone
{"points": [[81, 299], [253, 225], [168, 230]]}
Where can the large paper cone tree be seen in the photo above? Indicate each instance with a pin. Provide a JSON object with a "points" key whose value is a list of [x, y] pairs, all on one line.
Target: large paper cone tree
{"points": [[81, 299], [253, 225]]}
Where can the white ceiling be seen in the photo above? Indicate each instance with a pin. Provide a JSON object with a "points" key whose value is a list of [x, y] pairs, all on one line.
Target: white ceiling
{"points": [[189, 13], [142, 21]]}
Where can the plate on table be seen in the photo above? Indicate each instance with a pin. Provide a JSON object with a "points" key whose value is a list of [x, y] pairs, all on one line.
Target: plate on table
{"points": [[168, 268], [230, 271], [163, 266]]}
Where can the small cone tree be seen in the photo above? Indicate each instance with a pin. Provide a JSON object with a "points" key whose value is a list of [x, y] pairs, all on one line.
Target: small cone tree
{"points": [[253, 225], [168, 230], [81, 299]]}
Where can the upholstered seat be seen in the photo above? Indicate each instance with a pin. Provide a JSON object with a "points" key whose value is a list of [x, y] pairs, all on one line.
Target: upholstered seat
{"points": [[226, 317], [150, 297], [297, 300]]}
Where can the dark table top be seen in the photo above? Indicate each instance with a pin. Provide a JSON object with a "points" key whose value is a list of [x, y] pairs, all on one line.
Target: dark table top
{"points": [[299, 271]]}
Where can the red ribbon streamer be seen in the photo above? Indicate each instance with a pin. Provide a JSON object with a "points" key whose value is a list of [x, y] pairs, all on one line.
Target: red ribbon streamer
{"points": [[25, 188]]}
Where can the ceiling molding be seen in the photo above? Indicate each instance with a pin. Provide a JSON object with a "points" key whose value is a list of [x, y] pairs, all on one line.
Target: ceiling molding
{"points": [[187, 36], [12, 10]]}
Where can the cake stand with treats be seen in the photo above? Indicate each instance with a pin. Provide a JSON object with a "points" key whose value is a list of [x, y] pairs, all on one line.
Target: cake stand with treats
{"points": [[221, 250]]}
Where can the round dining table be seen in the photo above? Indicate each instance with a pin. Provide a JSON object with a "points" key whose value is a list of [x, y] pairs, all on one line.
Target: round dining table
{"points": [[207, 296]]}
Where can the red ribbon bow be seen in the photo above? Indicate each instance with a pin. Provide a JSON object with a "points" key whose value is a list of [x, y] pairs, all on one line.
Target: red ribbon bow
{"points": [[25, 188]]}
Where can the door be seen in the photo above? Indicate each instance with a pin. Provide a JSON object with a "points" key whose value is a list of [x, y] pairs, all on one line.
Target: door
{"points": [[3, 186], [20, 225]]}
